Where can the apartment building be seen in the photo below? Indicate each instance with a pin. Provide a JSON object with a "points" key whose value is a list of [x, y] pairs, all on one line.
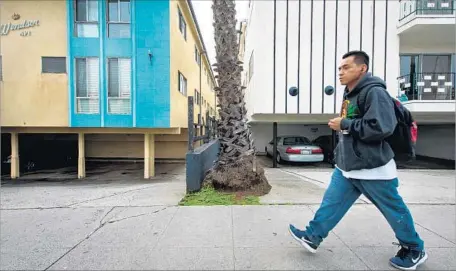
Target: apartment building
{"points": [[110, 78], [300, 43]]}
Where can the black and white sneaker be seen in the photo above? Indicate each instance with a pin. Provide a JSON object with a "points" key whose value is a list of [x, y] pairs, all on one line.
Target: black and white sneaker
{"points": [[303, 239], [408, 259]]}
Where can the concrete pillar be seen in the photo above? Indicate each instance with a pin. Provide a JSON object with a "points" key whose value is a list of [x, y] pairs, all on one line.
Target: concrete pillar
{"points": [[81, 156], [15, 156], [149, 156]]}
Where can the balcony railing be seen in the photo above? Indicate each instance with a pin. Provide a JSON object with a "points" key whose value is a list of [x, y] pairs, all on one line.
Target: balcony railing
{"points": [[431, 8], [427, 86]]}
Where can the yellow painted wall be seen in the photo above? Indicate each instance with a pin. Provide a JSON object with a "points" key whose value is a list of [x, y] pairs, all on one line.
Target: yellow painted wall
{"points": [[132, 146], [28, 97], [183, 60]]}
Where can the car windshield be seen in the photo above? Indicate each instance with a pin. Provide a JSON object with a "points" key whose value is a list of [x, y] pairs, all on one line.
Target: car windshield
{"points": [[295, 141]]}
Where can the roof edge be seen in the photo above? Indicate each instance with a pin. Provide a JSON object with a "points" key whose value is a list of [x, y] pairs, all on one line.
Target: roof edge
{"points": [[198, 30]]}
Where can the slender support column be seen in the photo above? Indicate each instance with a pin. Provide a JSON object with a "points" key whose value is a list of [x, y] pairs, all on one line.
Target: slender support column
{"points": [[81, 156], [149, 156], [274, 147], [15, 156]]}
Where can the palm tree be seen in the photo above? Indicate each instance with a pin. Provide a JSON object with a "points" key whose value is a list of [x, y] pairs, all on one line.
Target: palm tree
{"points": [[236, 169]]}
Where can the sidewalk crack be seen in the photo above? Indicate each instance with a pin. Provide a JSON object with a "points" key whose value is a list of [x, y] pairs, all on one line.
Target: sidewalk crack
{"points": [[101, 225], [434, 233], [346, 245]]}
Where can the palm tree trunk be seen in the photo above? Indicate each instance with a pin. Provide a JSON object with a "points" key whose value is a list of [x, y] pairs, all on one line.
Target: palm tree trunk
{"points": [[237, 169]]}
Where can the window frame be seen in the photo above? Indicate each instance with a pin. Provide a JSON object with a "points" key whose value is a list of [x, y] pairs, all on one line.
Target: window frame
{"points": [[88, 22], [119, 22], [54, 57], [118, 97], [181, 19], [179, 83], [197, 97], [87, 90], [197, 56]]}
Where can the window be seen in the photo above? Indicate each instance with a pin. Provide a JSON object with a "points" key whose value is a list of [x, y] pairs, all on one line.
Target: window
{"points": [[290, 141], [87, 85], [119, 86], [182, 84], [53, 64], [197, 97], [182, 25], [251, 66], [119, 19], [197, 56], [1, 69], [86, 18]]}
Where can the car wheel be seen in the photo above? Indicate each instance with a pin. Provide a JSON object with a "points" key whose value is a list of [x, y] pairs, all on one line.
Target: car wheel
{"points": [[279, 159]]}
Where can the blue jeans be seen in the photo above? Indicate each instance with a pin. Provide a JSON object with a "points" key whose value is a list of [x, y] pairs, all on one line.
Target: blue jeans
{"points": [[343, 192]]}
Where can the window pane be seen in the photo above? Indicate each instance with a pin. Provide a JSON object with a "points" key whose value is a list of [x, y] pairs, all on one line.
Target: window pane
{"points": [[289, 141], [302, 140], [93, 10], [120, 77], [87, 30], [119, 30], [125, 10], [113, 11], [437, 63], [119, 106], [92, 77], [81, 10], [124, 77], [53, 64], [113, 78], [81, 79], [405, 65], [87, 88]]}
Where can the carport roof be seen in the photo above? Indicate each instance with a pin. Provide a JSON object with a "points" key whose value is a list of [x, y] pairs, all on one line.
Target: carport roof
{"points": [[292, 118]]}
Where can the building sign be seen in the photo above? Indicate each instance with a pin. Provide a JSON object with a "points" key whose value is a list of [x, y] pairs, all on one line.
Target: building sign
{"points": [[23, 26]]}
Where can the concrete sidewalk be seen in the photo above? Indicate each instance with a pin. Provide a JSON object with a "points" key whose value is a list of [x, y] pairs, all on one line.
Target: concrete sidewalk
{"points": [[196, 238], [133, 224]]}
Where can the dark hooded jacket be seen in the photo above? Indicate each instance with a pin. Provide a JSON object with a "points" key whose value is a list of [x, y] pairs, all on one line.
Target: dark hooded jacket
{"points": [[364, 146]]}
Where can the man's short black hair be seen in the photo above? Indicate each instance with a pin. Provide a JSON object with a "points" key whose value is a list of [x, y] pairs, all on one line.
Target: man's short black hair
{"points": [[360, 57]]}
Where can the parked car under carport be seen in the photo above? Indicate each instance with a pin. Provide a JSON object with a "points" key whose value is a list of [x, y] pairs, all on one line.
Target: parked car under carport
{"points": [[295, 149]]}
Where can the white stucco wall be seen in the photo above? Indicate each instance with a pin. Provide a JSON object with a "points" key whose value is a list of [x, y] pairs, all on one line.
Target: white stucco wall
{"points": [[437, 141], [259, 94]]}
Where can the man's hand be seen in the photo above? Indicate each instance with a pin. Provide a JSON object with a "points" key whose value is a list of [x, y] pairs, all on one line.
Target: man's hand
{"points": [[335, 123]]}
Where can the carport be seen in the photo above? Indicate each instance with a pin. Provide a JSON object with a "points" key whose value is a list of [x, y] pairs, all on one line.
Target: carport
{"points": [[21, 139], [315, 122]]}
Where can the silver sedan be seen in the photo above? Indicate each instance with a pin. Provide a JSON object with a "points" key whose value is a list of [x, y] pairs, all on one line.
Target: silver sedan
{"points": [[295, 149]]}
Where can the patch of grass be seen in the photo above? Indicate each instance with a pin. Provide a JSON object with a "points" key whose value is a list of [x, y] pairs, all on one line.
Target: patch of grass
{"points": [[208, 196]]}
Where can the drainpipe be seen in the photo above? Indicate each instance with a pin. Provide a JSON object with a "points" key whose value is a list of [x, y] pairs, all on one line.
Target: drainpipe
{"points": [[201, 93]]}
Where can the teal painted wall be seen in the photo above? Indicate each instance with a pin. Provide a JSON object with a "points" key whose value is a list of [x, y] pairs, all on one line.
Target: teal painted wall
{"points": [[150, 95]]}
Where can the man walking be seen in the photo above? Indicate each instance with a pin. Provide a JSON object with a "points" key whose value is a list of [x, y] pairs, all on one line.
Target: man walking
{"points": [[364, 164]]}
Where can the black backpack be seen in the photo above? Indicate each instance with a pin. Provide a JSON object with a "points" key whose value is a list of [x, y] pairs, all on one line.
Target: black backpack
{"points": [[403, 139]]}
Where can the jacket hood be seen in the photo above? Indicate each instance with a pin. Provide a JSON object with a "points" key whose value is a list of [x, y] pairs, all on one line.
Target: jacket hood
{"points": [[367, 81]]}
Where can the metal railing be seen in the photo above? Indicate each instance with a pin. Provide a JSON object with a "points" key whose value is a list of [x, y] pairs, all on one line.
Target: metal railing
{"points": [[207, 126], [410, 8], [427, 86]]}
